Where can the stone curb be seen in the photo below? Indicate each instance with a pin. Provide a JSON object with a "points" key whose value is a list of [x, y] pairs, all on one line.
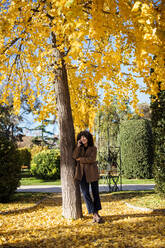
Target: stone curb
{"points": [[156, 210], [138, 208]]}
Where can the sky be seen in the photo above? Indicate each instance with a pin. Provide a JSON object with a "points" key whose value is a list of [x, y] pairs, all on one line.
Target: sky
{"points": [[143, 98]]}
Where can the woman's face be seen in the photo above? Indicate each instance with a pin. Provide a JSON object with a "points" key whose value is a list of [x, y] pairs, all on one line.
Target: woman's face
{"points": [[84, 140]]}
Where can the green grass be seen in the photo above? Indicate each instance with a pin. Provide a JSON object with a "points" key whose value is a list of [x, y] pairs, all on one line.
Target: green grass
{"points": [[132, 181], [148, 200], [143, 199], [35, 181], [137, 181], [27, 179]]}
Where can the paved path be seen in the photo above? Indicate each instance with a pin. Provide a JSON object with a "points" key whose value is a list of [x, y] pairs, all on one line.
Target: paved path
{"points": [[102, 188]]}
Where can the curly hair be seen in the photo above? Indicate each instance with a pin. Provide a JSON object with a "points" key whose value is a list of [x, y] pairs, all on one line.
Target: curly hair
{"points": [[87, 135]]}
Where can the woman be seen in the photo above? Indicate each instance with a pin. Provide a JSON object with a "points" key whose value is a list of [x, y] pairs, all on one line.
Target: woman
{"points": [[87, 172]]}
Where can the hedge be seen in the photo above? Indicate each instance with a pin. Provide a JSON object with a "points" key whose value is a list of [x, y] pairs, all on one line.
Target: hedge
{"points": [[136, 148]]}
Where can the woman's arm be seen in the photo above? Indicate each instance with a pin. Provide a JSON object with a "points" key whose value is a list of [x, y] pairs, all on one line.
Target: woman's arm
{"points": [[76, 152], [90, 158]]}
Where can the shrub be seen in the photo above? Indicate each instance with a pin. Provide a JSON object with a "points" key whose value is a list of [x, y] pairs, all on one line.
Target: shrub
{"points": [[158, 127], [37, 149], [25, 157], [136, 148], [10, 168], [46, 165]]}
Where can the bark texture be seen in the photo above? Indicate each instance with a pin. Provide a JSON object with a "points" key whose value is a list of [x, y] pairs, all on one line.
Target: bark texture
{"points": [[71, 197]]}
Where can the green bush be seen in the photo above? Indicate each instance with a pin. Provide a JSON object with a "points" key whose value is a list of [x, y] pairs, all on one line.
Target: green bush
{"points": [[46, 165], [158, 127], [25, 157], [37, 149], [10, 168], [136, 148]]}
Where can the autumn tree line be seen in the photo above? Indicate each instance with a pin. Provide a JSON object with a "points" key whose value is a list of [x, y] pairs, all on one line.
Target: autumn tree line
{"points": [[66, 52]]}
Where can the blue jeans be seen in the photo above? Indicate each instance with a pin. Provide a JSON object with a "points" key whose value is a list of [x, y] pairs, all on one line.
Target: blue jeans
{"points": [[92, 205]]}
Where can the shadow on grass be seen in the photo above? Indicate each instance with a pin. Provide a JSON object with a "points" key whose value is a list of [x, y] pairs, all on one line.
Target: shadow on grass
{"points": [[28, 196]]}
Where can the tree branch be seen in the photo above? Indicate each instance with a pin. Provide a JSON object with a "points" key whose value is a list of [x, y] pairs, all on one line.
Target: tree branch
{"points": [[11, 44]]}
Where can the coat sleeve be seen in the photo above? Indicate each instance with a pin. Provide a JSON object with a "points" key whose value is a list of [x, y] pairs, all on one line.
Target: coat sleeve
{"points": [[90, 158], [76, 152]]}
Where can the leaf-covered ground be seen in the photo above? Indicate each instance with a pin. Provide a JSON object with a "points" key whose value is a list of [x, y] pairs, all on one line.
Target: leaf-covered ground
{"points": [[22, 201], [43, 226]]}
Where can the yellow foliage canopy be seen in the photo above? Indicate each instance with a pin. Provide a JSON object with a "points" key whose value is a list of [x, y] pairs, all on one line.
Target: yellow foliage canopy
{"points": [[105, 44]]}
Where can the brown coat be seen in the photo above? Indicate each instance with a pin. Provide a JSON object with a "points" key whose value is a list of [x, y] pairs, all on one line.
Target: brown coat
{"points": [[87, 163]]}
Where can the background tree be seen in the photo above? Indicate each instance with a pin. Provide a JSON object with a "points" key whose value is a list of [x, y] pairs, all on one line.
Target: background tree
{"points": [[158, 127], [106, 129], [10, 167], [9, 123], [46, 137], [144, 112]]}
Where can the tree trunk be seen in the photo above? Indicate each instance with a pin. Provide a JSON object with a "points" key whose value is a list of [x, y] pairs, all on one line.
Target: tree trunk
{"points": [[71, 197]]}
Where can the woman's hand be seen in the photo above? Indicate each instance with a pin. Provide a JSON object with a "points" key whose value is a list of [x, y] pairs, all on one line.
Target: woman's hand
{"points": [[79, 143]]}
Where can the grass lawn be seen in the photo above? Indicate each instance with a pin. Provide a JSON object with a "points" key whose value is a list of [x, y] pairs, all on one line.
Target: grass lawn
{"points": [[133, 181], [35, 181], [27, 179]]}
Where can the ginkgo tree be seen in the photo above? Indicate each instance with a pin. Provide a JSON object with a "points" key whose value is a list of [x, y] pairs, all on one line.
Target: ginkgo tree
{"points": [[65, 51]]}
